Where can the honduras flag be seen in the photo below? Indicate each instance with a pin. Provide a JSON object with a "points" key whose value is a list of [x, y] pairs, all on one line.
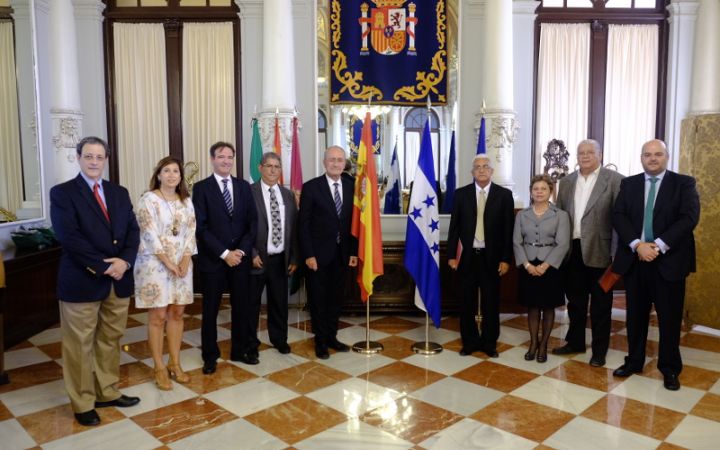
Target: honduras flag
{"points": [[392, 197], [422, 235]]}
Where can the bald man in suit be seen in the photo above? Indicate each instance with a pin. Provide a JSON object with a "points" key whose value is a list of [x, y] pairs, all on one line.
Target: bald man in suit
{"points": [[655, 215]]}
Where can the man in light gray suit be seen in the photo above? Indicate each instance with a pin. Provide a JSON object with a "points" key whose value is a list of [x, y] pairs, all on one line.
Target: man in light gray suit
{"points": [[275, 250], [588, 196]]}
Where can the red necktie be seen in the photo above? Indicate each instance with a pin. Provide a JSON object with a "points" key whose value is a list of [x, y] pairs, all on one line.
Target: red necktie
{"points": [[100, 201]]}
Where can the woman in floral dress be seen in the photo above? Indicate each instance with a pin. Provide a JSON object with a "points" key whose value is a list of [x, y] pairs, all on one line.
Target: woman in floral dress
{"points": [[163, 269]]}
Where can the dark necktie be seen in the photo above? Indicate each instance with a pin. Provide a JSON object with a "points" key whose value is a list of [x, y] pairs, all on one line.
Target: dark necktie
{"points": [[275, 217], [648, 217], [338, 200], [96, 192], [226, 196]]}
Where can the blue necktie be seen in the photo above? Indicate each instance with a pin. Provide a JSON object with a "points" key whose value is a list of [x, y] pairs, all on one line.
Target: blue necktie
{"points": [[338, 201], [226, 196], [648, 217]]}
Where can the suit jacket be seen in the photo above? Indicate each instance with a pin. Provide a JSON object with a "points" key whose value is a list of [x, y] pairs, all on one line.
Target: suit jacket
{"points": [[596, 240], [497, 219], [675, 215], [218, 230], [319, 223], [552, 228], [87, 238], [263, 227]]}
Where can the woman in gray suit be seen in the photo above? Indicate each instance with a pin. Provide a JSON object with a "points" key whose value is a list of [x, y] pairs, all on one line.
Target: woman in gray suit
{"points": [[541, 239]]}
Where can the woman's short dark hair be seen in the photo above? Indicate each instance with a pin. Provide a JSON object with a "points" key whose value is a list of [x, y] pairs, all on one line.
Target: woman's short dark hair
{"points": [[542, 177], [181, 188]]}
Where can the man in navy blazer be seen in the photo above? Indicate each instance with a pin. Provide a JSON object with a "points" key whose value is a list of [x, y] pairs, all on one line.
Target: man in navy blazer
{"points": [[226, 227], [95, 224], [655, 215], [328, 247], [486, 254]]}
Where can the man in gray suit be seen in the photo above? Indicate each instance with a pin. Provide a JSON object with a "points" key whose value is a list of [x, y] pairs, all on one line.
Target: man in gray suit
{"points": [[588, 196], [275, 249]]}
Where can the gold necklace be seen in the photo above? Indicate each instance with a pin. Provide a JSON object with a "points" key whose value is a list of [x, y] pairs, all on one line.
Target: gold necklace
{"points": [[173, 211]]}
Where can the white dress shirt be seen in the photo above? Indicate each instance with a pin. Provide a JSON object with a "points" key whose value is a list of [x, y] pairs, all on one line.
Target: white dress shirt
{"points": [[331, 183], [583, 189]]}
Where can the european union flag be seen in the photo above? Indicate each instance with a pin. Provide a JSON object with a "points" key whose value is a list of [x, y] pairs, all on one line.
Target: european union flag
{"points": [[422, 235], [451, 180]]}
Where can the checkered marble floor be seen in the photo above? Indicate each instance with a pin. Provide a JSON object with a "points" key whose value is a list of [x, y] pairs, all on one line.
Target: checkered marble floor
{"points": [[395, 399]]}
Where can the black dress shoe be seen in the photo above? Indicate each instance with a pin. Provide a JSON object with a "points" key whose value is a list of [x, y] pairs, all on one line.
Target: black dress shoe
{"points": [[530, 355], [625, 371], [597, 361], [671, 382], [88, 418], [491, 353], [283, 348], [247, 358], [209, 367], [321, 352], [566, 350], [123, 401], [465, 351], [339, 346]]}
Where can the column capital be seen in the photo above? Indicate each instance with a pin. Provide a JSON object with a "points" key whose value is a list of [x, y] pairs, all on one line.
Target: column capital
{"points": [[250, 8], [683, 8], [43, 5], [89, 9], [525, 7], [475, 8]]}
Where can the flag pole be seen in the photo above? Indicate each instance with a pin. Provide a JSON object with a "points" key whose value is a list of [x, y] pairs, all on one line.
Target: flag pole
{"points": [[427, 348]]}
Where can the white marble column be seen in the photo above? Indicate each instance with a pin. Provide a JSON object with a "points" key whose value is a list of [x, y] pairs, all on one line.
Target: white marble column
{"points": [[278, 78], [705, 97], [683, 14], [89, 26], [65, 109], [497, 89]]}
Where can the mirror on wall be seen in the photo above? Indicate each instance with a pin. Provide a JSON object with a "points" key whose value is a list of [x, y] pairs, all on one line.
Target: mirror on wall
{"points": [[396, 128], [20, 179]]}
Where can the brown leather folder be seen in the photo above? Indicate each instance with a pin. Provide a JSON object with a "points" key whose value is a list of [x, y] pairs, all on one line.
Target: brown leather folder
{"points": [[608, 279]]}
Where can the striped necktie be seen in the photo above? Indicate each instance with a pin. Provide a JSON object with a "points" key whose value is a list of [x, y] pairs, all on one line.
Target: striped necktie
{"points": [[96, 193], [275, 218], [226, 196], [338, 200]]}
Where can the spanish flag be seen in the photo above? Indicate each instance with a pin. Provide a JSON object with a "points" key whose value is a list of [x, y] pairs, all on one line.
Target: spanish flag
{"points": [[366, 215], [277, 148]]}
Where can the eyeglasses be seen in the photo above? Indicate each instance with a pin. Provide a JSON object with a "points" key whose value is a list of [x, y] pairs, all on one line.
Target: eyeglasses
{"points": [[483, 167], [272, 166], [99, 158]]}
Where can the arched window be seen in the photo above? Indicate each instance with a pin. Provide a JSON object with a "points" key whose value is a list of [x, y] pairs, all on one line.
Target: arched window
{"points": [[408, 156]]}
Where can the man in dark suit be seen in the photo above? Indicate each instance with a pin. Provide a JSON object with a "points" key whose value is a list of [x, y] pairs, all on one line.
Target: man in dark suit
{"points": [[226, 226], [482, 221], [588, 195], [275, 250], [95, 224], [328, 247], [655, 215]]}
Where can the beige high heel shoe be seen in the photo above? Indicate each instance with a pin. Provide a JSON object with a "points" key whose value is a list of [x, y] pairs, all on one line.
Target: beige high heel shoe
{"points": [[162, 380], [176, 373]]}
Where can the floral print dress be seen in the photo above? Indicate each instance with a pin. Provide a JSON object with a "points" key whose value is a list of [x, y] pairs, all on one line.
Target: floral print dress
{"points": [[165, 227]]}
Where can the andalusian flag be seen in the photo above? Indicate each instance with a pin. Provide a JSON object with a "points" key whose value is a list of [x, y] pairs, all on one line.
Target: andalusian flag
{"points": [[255, 152], [366, 215]]}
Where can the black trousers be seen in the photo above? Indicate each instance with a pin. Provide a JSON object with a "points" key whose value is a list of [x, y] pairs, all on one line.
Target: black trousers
{"points": [[645, 287], [326, 287], [241, 331], [275, 278], [479, 273], [581, 286]]}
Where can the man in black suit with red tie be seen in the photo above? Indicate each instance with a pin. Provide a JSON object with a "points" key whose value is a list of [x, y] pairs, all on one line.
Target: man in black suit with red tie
{"points": [[95, 224], [226, 227], [482, 219], [655, 215], [328, 247]]}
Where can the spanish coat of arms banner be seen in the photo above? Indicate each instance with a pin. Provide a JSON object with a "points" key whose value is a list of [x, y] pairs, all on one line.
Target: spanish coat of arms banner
{"points": [[391, 52]]}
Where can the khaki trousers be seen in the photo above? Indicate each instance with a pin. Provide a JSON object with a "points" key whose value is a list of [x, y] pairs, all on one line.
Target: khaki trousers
{"points": [[91, 333]]}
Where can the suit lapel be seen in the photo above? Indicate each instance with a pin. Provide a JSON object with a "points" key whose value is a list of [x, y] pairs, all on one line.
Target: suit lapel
{"points": [[570, 189], [329, 192], [667, 186], [600, 186], [489, 202], [260, 201]]}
